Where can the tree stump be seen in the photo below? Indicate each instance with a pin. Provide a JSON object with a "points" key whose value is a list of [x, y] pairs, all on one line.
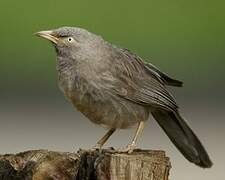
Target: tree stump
{"points": [[106, 164]]}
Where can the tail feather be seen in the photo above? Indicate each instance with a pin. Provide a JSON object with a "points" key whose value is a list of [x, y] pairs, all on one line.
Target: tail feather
{"points": [[183, 137]]}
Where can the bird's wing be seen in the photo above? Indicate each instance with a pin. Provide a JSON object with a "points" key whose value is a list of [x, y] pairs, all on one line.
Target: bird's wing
{"points": [[167, 80], [154, 71], [131, 80]]}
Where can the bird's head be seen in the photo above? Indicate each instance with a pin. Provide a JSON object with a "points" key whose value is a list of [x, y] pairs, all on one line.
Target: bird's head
{"points": [[69, 41]]}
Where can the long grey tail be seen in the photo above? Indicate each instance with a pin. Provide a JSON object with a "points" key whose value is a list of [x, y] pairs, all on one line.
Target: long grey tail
{"points": [[183, 137]]}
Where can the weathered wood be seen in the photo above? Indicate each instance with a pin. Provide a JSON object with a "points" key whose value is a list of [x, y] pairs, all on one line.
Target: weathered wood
{"points": [[85, 165]]}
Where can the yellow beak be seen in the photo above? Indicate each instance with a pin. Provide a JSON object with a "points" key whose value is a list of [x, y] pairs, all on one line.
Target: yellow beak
{"points": [[48, 35]]}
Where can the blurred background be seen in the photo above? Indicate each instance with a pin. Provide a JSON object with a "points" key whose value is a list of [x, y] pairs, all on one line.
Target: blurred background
{"points": [[186, 39]]}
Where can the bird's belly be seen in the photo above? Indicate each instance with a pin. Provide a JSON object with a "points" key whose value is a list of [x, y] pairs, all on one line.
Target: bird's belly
{"points": [[107, 110]]}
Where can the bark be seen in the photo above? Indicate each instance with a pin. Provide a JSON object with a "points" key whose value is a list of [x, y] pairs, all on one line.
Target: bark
{"points": [[85, 165]]}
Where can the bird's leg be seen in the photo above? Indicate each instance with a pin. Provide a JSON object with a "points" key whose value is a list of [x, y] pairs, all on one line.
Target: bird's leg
{"points": [[131, 146], [102, 141]]}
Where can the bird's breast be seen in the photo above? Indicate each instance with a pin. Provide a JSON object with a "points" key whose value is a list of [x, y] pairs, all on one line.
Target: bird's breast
{"points": [[98, 105]]}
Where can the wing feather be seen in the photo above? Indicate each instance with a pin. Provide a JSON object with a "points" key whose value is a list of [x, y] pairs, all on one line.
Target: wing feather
{"points": [[130, 80]]}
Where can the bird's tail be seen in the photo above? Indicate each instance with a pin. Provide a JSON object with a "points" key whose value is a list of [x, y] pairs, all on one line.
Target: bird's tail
{"points": [[183, 137]]}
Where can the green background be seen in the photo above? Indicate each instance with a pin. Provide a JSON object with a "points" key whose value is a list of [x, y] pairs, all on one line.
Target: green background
{"points": [[184, 38]]}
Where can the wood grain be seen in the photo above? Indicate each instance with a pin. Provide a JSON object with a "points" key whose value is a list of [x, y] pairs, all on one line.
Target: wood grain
{"points": [[106, 164]]}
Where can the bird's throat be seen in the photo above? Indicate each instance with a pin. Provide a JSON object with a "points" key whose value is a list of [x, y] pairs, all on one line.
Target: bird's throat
{"points": [[64, 64]]}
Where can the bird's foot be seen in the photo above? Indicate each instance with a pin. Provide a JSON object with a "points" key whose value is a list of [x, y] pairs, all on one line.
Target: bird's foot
{"points": [[128, 149], [97, 147]]}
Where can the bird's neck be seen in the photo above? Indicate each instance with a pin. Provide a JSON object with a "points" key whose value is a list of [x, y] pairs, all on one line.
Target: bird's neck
{"points": [[64, 64]]}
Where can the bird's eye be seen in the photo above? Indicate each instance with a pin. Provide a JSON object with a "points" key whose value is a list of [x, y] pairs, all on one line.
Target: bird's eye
{"points": [[70, 39]]}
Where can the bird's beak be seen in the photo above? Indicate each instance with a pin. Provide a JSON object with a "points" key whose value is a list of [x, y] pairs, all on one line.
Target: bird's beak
{"points": [[48, 35]]}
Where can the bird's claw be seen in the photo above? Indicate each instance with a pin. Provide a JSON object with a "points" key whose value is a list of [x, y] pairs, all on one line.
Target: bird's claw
{"points": [[97, 147], [128, 149]]}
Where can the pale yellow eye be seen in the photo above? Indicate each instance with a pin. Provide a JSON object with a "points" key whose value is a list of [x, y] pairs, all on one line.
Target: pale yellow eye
{"points": [[70, 39]]}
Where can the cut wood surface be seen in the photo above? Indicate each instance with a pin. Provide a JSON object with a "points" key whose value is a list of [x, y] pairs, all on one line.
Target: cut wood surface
{"points": [[106, 164]]}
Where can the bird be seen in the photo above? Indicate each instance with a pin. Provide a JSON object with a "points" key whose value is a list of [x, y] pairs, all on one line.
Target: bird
{"points": [[115, 88]]}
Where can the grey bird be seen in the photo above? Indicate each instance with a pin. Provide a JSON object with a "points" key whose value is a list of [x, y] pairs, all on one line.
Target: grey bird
{"points": [[115, 88]]}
